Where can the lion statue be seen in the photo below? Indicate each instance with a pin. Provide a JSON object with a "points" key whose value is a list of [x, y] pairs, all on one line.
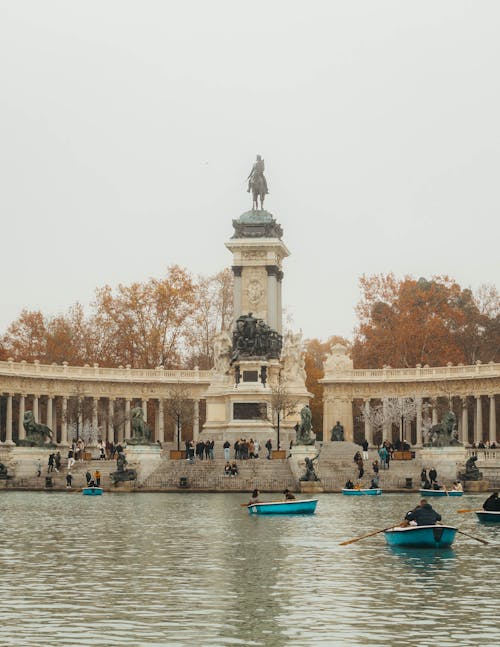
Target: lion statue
{"points": [[444, 434], [36, 433], [141, 432]]}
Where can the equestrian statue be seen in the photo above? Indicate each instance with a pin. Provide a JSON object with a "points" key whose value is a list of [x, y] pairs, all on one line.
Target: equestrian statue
{"points": [[257, 184]]}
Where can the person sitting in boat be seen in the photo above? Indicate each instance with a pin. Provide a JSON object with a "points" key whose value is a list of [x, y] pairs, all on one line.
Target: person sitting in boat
{"points": [[424, 514], [457, 487], [374, 483], [289, 496], [91, 483], [436, 486], [427, 485], [255, 497], [227, 469], [349, 485], [492, 503]]}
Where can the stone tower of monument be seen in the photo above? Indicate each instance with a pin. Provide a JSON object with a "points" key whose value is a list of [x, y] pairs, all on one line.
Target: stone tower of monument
{"points": [[251, 359]]}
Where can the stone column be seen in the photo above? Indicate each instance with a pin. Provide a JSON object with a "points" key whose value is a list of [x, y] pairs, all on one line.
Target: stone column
{"points": [[145, 409], [464, 438], [161, 422], [368, 426], [64, 421], [493, 421], [35, 407], [279, 326], [237, 290], [22, 430], [478, 430], [111, 412], [434, 411], [418, 423], [272, 296], [196, 420], [49, 412], [95, 414], [8, 420], [127, 420], [386, 427]]}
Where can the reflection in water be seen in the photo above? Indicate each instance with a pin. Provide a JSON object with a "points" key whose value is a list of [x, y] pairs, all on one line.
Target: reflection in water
{"points": [[424, 558], [188, 569]]}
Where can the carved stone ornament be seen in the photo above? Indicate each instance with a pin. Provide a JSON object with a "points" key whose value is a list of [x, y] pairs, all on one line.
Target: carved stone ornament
{"points": [[255, 291], [338, 360]]}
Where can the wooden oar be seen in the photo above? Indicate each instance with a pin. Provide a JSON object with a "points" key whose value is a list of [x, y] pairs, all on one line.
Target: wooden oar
{"points": [[370, 534], [473, 510], [483, 541]]}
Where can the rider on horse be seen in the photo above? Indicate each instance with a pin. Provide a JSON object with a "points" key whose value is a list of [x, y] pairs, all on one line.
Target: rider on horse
{"points": [[256, 172]]}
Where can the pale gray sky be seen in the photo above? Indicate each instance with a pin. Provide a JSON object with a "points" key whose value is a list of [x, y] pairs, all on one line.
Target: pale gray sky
{"points": [[127, 130]]}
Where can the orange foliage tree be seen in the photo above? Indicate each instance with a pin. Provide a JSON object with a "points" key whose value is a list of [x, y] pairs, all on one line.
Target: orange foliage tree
{"points": [[407, 322]]}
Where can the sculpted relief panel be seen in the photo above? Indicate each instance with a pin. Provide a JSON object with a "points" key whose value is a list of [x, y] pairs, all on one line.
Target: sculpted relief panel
{"points": [[254, 294]]}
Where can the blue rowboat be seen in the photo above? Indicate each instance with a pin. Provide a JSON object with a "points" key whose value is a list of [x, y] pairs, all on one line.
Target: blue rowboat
{"points": [[421, 536], [306, 506], [92, 491], [361, 492], [428, 493], [488, 516]]}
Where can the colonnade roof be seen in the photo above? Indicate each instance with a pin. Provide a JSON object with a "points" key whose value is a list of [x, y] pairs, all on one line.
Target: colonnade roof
{"points": [[423, 374], [95, 372]]}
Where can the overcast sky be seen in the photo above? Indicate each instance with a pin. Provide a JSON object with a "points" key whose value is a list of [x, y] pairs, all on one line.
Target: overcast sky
{"points": [[127, 130]]}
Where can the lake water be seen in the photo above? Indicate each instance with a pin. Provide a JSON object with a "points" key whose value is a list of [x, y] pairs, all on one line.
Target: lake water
{"points": [[196, 569]]}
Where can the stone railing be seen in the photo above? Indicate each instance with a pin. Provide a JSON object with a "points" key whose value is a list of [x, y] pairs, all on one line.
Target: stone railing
{"points": [[484, 455], [94, 372], [426, 373]]}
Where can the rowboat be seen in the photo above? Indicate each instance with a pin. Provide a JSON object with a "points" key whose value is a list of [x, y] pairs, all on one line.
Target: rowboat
{"points": [[488, 515], [421, 536], [92, 491], [306, 506], [428, 493], [361, 492]]}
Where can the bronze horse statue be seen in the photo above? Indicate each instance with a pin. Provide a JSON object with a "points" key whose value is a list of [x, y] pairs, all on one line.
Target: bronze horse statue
{"points": [[258, 186]]}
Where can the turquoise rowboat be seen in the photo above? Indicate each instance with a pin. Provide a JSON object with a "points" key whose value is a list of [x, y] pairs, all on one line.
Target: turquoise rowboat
{"points": [[421, 536], [369, 491], [306, 506], [92, 491], [488, 516], [428, 493]]}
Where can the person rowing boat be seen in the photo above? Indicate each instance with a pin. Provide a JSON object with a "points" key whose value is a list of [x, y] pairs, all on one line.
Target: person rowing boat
{"points": [[423, 515], [289, 496], [492, 503], [255, 497]]}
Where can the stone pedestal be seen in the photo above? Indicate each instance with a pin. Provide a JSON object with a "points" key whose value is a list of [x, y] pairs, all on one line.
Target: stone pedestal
{"points": [[446, 460], [311, 487], [476, 486], [144, 459]]}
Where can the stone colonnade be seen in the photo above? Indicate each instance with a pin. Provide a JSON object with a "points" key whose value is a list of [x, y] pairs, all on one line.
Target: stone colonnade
{"points": [[109, 417], [69, 399], [470, 391]]}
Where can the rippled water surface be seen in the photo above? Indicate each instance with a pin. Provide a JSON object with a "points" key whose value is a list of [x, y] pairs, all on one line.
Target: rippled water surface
{"points": [[196, 569]]}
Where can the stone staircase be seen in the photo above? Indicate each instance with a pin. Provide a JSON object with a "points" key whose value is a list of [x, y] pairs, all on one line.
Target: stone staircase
{"points": [[25, 475], [258, 473], [335, 466]]}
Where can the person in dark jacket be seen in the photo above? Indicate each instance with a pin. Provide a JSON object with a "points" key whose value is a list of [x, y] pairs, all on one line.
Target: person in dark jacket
{"points": [[433, 475], [492, 503], [423, 514]]}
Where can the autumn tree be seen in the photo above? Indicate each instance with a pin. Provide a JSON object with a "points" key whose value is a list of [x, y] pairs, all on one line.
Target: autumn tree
{"points": [[213, 312], [144, 324], [407, 322]]}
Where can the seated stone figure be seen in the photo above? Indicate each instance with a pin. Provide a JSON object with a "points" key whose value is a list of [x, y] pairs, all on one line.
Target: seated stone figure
{"points": [[36, 434], [3, 473], [472, 472], [337, 432]]}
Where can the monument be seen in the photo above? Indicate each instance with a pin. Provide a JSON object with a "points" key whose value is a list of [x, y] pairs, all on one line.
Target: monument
{"points": [[253, 356]]}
